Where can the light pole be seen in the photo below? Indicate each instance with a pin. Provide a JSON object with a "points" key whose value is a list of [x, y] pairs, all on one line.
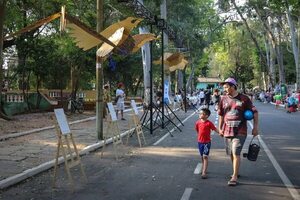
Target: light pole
{"points": [[99, 77]]}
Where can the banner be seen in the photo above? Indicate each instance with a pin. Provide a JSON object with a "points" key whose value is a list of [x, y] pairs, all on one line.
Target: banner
{"points": [[166, 92]]}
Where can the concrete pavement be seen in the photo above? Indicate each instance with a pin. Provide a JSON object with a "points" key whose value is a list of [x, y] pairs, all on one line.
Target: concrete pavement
{"points": [[32, 152]]}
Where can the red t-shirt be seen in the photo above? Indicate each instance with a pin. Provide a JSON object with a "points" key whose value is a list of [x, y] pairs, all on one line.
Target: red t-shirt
{"points": [[232, 109], [203, 129]]}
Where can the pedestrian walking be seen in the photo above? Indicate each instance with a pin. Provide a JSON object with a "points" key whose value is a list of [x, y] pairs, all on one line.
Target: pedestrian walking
{"points": [[216, 98], [233, 124], [204, 127], [120, 98], [201, 97], [207, 97]]}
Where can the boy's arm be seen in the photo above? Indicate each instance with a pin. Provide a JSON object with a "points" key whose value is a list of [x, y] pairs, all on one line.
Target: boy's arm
{"points": [[218, 131], [214, 128]]}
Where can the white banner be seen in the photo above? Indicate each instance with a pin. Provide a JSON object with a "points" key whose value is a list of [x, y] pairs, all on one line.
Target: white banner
{"points": [[166, 92]]}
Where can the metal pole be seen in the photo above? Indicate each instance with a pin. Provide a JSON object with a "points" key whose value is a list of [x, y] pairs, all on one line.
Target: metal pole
{"points": [[99, 77], [185, 87], [151, 86], [162, 79]]}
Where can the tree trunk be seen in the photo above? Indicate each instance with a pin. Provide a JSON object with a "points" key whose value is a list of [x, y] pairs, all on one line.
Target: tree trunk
{"points": [[146, 65], [280, 53], [190, 82], [180, 80], [163, 14], [2, 10], [272, 73], [275, 42], [294, 42], [268, 54]]}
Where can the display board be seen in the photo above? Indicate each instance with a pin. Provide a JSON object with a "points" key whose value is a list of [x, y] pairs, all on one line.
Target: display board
{"points": [[62, 121], [133, 105], [112, 111]]}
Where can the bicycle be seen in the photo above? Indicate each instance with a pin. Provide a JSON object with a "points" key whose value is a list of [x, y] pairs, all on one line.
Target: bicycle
{"points": [[75, 105]]}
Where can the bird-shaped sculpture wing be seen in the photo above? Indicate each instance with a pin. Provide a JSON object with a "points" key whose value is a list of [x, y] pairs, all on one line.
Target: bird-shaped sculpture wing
{"points": [[175, 59], [129, 23], [180, 65], [85, 38], [33, 26], [127, 43], [141, 39], [166, 55], [105, 49]]}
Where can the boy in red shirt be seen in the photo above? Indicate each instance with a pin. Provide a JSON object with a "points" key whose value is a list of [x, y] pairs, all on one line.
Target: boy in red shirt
{"points": [[203, 127]]}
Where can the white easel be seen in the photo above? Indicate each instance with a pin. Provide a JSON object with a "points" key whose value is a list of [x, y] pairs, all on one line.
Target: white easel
{"points": [[137, 124], [112, 131], [65, 137]]}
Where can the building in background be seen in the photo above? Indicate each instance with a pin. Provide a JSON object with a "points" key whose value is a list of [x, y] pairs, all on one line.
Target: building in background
{"points": [[208, 82]]}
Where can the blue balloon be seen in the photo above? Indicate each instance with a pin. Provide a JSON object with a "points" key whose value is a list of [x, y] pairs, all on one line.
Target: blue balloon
{"points": [[248, 114]]}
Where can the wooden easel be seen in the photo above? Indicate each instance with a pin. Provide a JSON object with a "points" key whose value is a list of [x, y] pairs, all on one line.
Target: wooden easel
{"points": [[112, 131], [137, 125], [69, 152]]}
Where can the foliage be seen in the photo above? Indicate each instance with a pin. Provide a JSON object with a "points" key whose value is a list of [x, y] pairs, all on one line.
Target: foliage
{"points": [[235, 56], [49, 59]]}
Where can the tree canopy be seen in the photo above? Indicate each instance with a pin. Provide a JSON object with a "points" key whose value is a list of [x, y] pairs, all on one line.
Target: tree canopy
{"points": [[253, 42]]}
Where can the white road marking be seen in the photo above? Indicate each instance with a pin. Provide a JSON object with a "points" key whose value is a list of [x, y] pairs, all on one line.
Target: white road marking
{"points": [[167, 134], [198, 168], [288, 184], [187, 193]]}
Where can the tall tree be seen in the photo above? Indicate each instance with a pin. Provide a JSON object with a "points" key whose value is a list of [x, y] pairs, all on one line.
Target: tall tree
{"points": [[2, 16], [294, 40]]}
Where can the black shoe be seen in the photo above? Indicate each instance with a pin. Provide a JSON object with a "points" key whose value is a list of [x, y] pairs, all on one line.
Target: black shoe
{"points": [[123, 119]]}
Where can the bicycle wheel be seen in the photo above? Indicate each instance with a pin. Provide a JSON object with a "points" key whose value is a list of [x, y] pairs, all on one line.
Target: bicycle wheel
{"points": [[68, 111], [80, 107]]}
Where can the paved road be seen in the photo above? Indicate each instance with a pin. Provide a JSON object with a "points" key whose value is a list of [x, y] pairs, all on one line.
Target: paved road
{"points": [[169, 169]]}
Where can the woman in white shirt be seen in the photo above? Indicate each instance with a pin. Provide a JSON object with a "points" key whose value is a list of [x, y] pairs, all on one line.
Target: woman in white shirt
{"points": [[120, 96]]}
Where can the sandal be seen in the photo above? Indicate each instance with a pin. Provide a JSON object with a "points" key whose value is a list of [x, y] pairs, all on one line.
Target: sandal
{"points": [[232, 183], [204, 176]]}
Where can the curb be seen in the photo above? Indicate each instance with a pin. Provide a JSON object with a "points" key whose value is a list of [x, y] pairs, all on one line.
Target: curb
{"points": [[48, 165], [14, 135], [5, 183]]}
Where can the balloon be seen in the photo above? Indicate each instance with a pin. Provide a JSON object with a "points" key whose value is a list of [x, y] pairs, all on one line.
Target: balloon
{"points": [[248, 114]]}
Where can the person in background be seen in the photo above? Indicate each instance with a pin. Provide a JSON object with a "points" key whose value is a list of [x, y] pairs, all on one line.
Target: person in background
{"points": [[207, 97], [120, 98], [216, 98], [159, 97], [278, 100], [262, 96], [292, 103], [106, 99], [298, 98], [204, 127], [201, 97], [233, 125]]}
